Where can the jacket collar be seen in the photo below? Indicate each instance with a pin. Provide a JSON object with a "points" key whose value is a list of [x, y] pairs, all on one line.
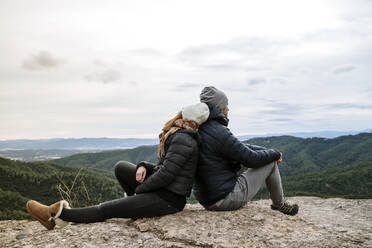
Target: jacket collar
{"points": [[190, 132], [216, 114]]}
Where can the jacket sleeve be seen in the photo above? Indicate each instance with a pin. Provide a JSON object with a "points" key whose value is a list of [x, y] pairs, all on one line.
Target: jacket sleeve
{"points": [[231, 148], [254, 147], [180, 150], [150, 167]]}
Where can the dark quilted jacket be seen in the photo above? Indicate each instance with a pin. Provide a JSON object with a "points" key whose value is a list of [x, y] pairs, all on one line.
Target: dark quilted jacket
{"points": [[176, 170], [221, 156]]}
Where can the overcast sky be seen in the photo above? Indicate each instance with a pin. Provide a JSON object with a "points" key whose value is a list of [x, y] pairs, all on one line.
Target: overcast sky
{"points": [[122, 68]]}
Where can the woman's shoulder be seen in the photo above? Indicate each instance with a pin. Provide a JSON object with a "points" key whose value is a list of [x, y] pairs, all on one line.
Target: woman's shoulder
{"points": [[185, 136]]}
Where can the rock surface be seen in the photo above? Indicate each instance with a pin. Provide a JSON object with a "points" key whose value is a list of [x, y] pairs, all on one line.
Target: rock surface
{"points": [[320, 223]]}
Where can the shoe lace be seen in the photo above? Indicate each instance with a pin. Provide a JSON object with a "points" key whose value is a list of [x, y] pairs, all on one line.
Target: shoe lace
{"points": [[286, 208]]}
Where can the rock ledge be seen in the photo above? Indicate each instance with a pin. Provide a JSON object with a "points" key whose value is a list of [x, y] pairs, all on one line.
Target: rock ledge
{"points": [[320, 223]]}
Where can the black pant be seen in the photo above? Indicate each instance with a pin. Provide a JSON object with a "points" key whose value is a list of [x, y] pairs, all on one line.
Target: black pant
{"points": [[132, 206], [125, 172]]}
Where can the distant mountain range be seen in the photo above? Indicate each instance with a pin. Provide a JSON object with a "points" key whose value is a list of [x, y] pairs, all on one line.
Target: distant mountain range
{"points": [[100, 144], [47, 149], [320, 134], [84, 144]]}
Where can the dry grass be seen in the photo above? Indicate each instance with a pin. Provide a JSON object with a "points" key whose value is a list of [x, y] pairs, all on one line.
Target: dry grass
{"points": [[76, 194]]}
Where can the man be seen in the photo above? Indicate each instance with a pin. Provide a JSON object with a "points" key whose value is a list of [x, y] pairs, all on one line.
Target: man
{"points": [[218, 185]]}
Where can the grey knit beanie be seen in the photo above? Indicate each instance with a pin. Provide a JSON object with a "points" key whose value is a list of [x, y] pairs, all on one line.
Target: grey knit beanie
{"points": [[214, 97]]}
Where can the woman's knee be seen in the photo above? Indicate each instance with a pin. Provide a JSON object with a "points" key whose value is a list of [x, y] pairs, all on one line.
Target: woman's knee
{"points": [[117, 167], [122, 166], [124, 169]]}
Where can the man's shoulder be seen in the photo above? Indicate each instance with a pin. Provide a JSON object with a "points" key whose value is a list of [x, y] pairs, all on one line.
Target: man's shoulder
{"points": [[213, 128], [212, 124]]}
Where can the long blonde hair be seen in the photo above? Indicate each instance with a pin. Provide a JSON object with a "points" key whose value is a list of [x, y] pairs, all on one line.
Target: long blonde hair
{"points": [[172, 126], [168, 129], [167, 126]]}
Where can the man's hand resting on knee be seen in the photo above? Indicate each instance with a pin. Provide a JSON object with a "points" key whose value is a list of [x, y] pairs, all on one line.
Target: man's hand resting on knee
{"points": [[280, 159]]}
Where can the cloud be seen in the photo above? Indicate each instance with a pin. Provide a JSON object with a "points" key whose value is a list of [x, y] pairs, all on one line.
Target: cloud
{"points": [[41, 61], [104, 73], [283, 109], [256, 81], [236, 54], [105, 76], [280, 120], [344, 69], [189, 85], [99, 63], [146, 52], [226, 66], [349, 106]]}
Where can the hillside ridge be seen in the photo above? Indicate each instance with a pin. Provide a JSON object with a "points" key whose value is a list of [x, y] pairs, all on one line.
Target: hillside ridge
{"points": [[301, 155]]}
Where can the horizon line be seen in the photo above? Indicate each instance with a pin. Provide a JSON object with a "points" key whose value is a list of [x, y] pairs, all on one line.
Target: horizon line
{"points": [[154, 137]]}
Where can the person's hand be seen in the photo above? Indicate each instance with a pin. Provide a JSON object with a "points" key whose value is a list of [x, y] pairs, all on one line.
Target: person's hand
{"points": [[141, 174], [280, 159]]}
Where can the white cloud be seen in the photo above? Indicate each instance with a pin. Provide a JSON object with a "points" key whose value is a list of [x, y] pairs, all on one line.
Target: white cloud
{"points": [[256, 81], [105, 76], [41, 61], [344, 68], [283, 69]]}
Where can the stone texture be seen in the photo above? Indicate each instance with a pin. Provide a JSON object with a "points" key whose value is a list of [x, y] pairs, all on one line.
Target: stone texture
{"points": [[320, 223]]}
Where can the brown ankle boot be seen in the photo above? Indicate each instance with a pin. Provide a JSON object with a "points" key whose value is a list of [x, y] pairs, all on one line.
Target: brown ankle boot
{"points": [[47, 215]]}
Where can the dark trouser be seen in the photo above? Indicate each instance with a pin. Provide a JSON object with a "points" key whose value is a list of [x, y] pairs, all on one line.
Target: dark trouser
{"points": [[248, 184], [125, 172], [133, 206]]}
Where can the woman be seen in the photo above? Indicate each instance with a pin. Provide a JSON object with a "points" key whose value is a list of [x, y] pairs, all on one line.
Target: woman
{"points": [[153, 190]]}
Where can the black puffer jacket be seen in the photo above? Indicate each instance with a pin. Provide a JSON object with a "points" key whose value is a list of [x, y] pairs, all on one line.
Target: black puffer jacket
{"points": [[221, 156], [176, 170]]}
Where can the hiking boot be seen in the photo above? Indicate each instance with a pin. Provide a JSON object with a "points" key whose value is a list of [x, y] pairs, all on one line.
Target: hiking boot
{"points": [[48, 216], [287, 208]]}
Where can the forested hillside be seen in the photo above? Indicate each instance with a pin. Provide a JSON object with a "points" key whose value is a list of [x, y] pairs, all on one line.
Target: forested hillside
{"points": [[314, 166], [20, 181], [299, 155], [351, 181], [107, 160], [312, 154]]}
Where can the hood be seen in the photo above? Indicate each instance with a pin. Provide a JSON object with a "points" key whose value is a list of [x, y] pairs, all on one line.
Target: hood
{"points": [[216, 114]]}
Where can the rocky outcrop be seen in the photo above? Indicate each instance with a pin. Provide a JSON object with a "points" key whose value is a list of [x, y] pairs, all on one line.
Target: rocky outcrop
{"points": [[320, 223]]}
